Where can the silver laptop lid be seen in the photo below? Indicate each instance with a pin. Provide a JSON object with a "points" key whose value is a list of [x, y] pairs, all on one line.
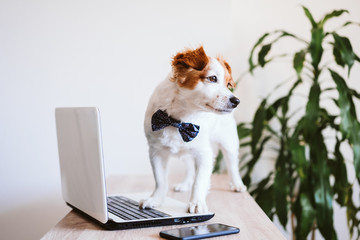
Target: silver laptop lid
{"points": [[81, 160]]}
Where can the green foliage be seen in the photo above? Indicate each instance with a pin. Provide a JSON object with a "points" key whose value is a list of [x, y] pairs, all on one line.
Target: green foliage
{"points": [[300, 185]]}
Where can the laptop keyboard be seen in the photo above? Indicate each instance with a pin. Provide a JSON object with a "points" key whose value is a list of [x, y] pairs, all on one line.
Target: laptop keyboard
{"points": [[128, 209]]}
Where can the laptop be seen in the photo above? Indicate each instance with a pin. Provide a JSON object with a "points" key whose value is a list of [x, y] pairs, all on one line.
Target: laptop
{"points": [[83, 178]]}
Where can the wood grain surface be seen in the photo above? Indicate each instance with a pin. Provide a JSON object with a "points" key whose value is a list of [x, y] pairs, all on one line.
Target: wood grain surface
{"points": [[235, 209]]}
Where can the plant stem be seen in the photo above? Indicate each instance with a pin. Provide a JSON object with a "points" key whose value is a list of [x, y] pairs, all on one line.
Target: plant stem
{"points": [[293, 225], [313, 232]]}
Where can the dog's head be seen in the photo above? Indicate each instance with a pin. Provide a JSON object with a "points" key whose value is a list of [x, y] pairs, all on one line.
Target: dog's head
{"points": [[204, 81]]}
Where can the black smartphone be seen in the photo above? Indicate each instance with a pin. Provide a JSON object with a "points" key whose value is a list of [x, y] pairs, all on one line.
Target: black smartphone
{"points": [[199, 232]]}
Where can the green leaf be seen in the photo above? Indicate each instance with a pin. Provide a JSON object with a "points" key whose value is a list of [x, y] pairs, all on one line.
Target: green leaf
{"points": [[282, 102], [298, 62], [337, 56], [352, 220], [317, 36], [357, 58], [305, 215], [261, 185], [243, 131], [272, 109], [349, 23], [285, 106], [328, 120], [323, 195], [343, 51], [316, 49], [245, 144], [258, 125], [309, 127], [281, 192], [298, 157], [338, 170], [251, 62], [310, 17], [335, 13], [218, 160], [265, 200], [354, 93], [262, 54], [287, 34], [349, 125], [309, 124], [256, 153], [266, 48]]}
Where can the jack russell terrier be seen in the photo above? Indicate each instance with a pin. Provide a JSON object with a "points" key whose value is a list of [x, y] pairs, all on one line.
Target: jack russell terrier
{"points": [[188, 114]]}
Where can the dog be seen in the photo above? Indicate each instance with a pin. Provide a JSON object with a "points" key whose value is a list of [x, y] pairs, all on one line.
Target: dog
{"points": [[188, 114]]}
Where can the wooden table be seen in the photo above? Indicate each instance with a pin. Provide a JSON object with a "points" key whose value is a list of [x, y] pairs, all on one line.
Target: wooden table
{"points": [[235, 209]]}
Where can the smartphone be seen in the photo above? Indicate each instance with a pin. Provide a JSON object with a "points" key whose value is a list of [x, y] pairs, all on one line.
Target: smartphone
{"points": [[199, 232]]}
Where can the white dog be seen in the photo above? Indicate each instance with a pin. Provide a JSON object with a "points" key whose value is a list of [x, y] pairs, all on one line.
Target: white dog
{"points": [[187, 114]]}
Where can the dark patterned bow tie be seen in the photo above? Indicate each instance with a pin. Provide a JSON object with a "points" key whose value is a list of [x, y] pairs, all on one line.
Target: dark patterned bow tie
{"points": [[161, 119]]}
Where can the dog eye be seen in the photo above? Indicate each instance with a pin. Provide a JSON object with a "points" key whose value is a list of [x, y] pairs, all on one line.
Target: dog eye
{"points": [[212, 79]]}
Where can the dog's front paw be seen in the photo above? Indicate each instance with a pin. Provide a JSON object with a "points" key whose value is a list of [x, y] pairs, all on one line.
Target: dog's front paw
{"points": [[240, 187], [198, 207], [150, 203]]}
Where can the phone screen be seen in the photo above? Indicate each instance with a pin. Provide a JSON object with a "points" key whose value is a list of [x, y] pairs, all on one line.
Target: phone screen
{"points": [[198, 232]]}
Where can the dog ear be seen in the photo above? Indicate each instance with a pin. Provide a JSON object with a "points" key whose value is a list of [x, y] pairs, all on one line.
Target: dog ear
{"points": [[196, 59], [228, 73]]}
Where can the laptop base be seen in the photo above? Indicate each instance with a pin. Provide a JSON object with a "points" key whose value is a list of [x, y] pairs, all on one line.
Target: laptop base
{"points": [[111, 225]]}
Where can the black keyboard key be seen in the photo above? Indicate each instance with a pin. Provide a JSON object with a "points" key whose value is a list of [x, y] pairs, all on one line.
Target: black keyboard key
{"points": [[128, 209]]}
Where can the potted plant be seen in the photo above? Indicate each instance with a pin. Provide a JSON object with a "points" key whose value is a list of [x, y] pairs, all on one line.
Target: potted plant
{"points": [[309, 172]]}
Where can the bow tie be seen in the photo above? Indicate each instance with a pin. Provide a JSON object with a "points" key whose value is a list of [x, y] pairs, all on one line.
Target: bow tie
{"points": [[161, 119]]}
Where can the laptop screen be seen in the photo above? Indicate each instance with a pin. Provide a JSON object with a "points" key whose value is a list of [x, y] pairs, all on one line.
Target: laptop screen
{"points": [[81, 160]]}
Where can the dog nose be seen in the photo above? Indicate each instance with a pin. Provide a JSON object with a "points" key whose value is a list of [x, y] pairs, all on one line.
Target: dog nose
{"points": [[234, 101]]}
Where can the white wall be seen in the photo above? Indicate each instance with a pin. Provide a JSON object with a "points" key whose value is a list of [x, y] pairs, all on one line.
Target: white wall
{"points": [[111, 54]]}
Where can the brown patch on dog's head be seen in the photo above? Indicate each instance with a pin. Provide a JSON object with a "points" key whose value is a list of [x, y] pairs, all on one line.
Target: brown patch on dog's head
{"points": [[188, 67], [229, 82], [195, 59]]}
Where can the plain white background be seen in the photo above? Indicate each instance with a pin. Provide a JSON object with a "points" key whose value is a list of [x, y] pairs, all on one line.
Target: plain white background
{"points": [[111, 54]]}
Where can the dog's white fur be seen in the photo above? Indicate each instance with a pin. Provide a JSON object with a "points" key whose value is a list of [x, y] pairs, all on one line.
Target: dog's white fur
{"points": [[204, 103]]}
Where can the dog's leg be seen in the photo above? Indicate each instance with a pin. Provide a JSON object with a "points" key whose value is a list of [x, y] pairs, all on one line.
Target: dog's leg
{"points": [[186, 184], [231, 157], [204, 166], [159, 160]]}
